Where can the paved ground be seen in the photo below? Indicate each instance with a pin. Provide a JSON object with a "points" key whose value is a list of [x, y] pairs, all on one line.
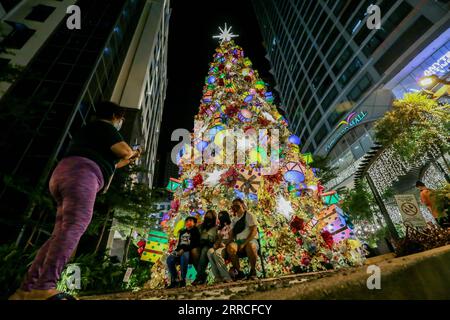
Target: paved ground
{"points": [[420, 276], [220, 291]]}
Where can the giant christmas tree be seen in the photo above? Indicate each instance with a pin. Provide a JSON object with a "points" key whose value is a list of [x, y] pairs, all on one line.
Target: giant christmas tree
{"points": [[241, 147]]}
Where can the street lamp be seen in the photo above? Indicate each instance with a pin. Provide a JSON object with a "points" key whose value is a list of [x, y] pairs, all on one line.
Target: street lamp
{"points": [[428, 81], [430, 84]]}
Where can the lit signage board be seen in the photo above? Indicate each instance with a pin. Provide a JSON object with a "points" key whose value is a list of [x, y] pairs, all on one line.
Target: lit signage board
{"points": [[350, 121], [440, 66]]}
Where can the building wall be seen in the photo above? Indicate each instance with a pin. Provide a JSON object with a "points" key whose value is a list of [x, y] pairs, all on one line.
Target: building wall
{"points": [[43, 29], [326, 60], [142, 83], [56, 95]]}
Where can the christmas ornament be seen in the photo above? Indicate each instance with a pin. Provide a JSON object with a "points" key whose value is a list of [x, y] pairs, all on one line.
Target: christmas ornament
{"points": [[248, 181], [213, 178], [245, 115]]}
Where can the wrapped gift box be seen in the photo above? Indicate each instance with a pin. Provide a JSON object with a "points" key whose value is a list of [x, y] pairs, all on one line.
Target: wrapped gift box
{"points": [[333, 215], [173, 184], [342, 234], [157, 244], [330, 198]]}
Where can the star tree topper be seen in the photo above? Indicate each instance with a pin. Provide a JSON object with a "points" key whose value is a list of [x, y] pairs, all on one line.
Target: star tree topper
{"points": [[225, 34]]}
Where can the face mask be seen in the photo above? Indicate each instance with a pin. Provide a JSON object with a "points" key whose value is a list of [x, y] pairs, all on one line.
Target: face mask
{"points": [[118, 125]]}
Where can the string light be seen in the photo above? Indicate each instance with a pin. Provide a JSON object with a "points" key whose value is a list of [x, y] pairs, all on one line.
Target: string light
{"points": [[344, 174], [432, 178], [389, 167]]}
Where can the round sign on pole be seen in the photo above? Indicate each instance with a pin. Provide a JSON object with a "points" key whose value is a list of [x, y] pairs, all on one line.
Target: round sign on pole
{"points": [[409, 208]]}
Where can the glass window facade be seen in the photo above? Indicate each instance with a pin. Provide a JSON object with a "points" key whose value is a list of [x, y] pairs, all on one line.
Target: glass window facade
{"points": [[63, 82], [331, 54], [438, 63]]}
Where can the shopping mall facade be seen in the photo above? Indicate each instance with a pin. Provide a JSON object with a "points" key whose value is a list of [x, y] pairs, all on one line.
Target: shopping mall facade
{"points": [[353, 136]]}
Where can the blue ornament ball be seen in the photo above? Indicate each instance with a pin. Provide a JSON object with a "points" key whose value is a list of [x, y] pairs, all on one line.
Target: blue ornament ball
{"points": [[211, 79], [294, 177], [294, 139]]}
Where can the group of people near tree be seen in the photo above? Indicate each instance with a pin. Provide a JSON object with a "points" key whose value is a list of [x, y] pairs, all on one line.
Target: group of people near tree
{"points": [[215, 241]]}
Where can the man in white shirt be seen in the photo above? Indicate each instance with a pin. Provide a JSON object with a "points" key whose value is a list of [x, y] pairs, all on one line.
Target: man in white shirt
{"points": [[244, 233]]}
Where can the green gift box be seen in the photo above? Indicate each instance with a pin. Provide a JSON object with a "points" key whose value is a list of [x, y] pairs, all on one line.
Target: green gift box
{"points": [[173, 184]]}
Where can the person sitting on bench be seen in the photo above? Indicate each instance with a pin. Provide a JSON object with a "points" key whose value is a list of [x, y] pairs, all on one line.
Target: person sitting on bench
{"points": [[188, 242], [244, 235], [217, 253]]}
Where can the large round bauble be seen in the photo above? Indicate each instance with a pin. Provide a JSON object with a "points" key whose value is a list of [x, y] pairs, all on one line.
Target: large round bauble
{"points": [[294, 139], [294, 176]]}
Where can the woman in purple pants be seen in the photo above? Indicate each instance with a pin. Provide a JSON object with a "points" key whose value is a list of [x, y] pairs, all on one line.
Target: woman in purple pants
{"points": [[95, 153]]}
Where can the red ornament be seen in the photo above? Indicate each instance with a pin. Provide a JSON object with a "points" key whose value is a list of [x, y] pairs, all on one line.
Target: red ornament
{"points": [[263, 122], [274, 178], [141, 243], [328, 238], [299, 241], [221, 82], [231, 111], [221, 67], [320, 188], [198, 180], [141, 247], [306, 260], [297, 224], [248, 78], [229, 178]]}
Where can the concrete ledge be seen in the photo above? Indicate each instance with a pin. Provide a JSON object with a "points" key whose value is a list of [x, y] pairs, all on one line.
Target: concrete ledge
{"points": [[425, 275], [378, 259]]}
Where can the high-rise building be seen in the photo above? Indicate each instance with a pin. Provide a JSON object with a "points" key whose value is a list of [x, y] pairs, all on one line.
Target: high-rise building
{"points": [[25, 25], [142, 82], [336, 75], [118, 54]]}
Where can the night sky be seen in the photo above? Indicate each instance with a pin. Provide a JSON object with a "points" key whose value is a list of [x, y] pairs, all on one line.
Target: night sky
{"points": [[191, 48]]}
